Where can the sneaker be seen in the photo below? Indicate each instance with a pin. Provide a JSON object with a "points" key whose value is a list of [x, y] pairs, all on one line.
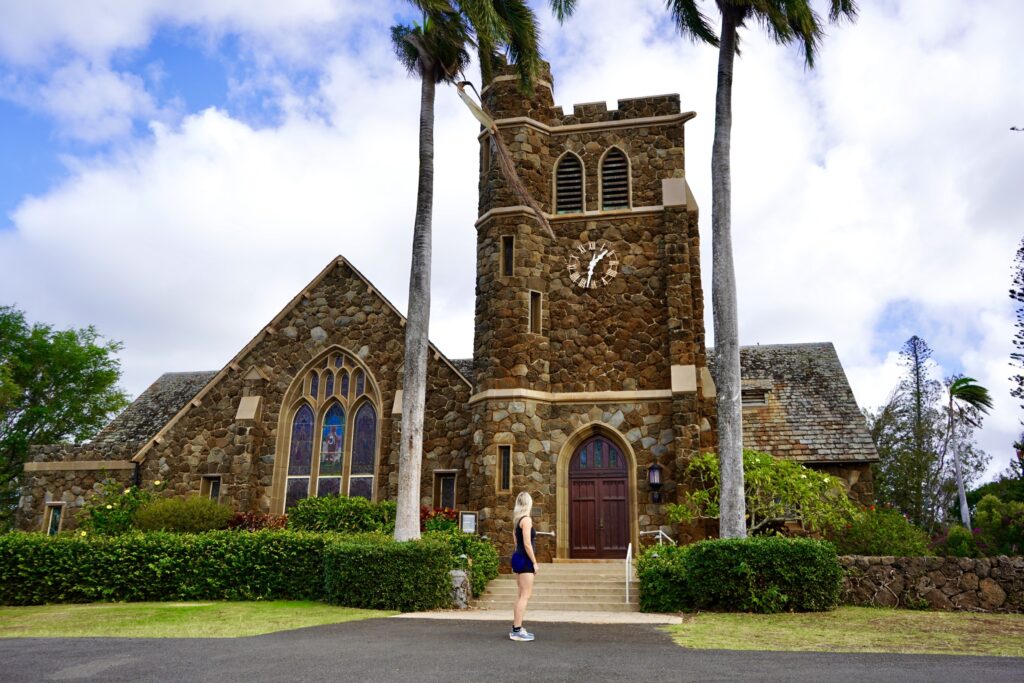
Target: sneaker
{"points": [[522, 635]]}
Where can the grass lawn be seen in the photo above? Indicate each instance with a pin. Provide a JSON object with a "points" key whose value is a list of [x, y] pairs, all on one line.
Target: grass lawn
{"points": [[171, 619], [857, 629]]}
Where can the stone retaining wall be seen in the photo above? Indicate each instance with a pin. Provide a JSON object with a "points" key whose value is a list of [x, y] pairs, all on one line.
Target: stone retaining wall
{"points": [[988, 584]]}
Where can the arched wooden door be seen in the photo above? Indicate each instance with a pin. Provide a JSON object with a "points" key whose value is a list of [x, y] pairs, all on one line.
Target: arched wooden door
{"points": [[598, 501]]}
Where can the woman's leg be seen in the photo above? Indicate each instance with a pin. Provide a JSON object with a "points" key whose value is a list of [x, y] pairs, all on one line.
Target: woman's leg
{"points": [[525, 582]]}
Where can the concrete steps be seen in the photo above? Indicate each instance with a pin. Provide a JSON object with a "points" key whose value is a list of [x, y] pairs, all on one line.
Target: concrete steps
{"points": [[588, 586]]}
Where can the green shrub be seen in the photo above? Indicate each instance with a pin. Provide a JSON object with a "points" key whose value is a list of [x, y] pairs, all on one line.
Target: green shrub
{"points": [[111, 510], [379, 573], [1001, 526], [483, 558], [190, 515], [881, 532], [220, 565], [661, 575], [342, 514], [763, 574], [958, 542]]}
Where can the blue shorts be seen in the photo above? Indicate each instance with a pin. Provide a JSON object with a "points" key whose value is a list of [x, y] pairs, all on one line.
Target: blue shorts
{"points": [[521, 564]]}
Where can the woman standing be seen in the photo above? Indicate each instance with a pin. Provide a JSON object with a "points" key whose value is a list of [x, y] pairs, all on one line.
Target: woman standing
{"points": [[524, 563]]}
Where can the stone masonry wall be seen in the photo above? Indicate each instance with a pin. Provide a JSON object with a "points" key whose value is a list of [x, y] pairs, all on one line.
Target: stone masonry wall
{"points": [[73, 487], [990, 584], [341, 311]]}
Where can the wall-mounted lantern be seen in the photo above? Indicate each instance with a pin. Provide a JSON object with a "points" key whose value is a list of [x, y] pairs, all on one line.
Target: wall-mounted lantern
{"points": [[654, 481]]}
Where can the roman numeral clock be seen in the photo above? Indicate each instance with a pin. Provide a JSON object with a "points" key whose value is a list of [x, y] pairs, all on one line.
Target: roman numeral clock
{"points": [[592, 265]]}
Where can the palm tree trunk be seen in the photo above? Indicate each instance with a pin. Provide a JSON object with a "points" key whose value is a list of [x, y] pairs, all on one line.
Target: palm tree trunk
{"points": [[732, 506], [965, 514], [407, 521]]}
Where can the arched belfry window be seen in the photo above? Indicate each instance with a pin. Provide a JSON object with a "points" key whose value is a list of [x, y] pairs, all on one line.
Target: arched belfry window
{"points": [[614, 180], [569, 184], [332, 438]]}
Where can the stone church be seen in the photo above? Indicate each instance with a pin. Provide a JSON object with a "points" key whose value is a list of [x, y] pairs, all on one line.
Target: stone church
{"points": [[589, 373]]}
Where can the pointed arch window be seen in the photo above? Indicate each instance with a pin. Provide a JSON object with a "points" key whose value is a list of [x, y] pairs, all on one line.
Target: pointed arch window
{"points": [[333, 441], [614, 180], [300, 456], [569, 184], [364, 452]]}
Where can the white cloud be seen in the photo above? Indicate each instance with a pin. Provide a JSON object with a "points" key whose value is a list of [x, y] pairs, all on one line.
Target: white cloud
{"points": [[885, 177]]}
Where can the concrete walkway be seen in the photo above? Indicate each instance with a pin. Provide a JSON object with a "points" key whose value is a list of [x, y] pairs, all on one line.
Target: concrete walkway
{"points": [[547, 616]]}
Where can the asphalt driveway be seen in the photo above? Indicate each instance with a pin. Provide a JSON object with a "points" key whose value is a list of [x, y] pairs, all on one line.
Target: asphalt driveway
{"points": [[450, 651]]}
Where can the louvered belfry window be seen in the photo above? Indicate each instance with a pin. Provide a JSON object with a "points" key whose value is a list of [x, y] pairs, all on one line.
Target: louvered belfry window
{"points": [[569, 185], [614, 181]]}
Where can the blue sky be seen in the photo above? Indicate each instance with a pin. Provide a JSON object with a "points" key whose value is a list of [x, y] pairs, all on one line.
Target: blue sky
{"points": [[155, 153]]}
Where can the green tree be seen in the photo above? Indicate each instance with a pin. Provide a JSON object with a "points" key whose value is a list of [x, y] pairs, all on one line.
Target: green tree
{"points": [[914, 435], [55, 385], [436, 51], [786, 22], [1017, 357], [776, 491], [967, 402]]}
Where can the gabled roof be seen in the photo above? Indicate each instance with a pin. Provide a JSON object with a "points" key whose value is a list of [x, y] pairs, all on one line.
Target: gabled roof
{"points": [[154, 407], [271, 328], [809, 413]]}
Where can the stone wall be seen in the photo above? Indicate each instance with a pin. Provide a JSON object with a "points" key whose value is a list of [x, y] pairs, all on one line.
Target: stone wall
{"points": [[74, 487], [990, 584], [339, 312]]}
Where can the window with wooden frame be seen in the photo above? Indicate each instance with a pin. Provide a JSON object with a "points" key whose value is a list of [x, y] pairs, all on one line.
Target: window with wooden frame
{"points": [[332, 448], [614, 180], [508, 250], [504, 468], [536, 303], [54, 518], [209, 487], [569, 184], [444, 488]]}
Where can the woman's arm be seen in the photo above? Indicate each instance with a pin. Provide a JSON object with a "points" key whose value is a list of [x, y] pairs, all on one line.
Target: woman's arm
{"points": [[526, 524]]}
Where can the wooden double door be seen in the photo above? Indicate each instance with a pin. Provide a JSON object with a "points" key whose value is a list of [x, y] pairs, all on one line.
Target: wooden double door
{"points": [[598, 501]]}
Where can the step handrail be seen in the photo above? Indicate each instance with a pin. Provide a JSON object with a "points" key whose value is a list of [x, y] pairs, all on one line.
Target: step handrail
{"points": [[660, 534], [629, 569]]}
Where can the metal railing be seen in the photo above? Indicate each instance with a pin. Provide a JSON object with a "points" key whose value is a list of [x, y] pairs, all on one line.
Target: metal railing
{"points": [[629, 569], [660, 534]]}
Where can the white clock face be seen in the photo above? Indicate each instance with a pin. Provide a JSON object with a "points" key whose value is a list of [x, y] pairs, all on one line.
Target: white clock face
{"points": [[592, 265]]}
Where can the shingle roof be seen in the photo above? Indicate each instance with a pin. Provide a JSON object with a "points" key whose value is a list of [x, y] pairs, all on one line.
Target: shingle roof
{"points": [[154, 407], [810, 413]]}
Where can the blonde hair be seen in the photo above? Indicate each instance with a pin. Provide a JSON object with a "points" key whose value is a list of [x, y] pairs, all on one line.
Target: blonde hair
{"points": [[524, 504]]}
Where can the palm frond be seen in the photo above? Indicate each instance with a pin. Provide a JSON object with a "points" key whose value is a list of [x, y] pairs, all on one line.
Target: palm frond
{"points": [[965, 391], [563, 9], [522, 40], [690, 22]]}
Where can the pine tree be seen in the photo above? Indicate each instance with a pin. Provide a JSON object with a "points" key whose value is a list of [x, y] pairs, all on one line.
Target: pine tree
{"points": [[1017, 357]]}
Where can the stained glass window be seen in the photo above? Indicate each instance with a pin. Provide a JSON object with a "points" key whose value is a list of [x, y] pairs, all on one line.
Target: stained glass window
{"points": [[361, 487], [360, 383], [344, 383], [364, 442], [330, 486], [583, 459], [314, 385], [55, 514], [598, 454], [332, 443], [338, 361], [300, 456], [329, 388], [613, 458]]}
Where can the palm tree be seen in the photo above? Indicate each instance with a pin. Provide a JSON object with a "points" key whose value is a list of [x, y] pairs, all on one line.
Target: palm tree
{"points": [[787, 22], [966, 398], [436, 52]]}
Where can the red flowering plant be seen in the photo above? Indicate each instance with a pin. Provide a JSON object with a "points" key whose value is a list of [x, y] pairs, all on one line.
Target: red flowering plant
{"points": [[438, 519]]}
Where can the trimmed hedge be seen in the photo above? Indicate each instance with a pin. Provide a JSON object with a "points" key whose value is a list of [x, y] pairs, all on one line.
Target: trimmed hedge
{"points": [[342, 514], [190, 515], [762, 574], [375, 573], [881, 531], [220, 565], [483, 567], [662, 583]]}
